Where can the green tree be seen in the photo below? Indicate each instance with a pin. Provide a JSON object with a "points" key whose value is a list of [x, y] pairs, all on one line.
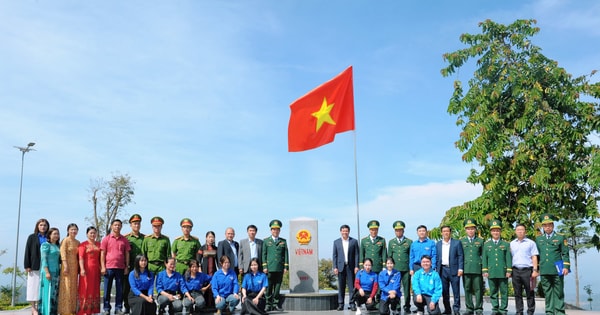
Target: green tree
{"points": [[108, 199], [578, 239], [588, 291], [327, 280], [526, 122]]}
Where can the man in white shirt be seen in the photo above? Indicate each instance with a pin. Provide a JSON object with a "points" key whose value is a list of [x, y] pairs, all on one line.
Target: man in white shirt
{"points": [[250, 247]]}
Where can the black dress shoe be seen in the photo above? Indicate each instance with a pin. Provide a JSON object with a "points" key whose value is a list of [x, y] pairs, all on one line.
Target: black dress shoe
{"points": [[353, 307], [340, 308]]}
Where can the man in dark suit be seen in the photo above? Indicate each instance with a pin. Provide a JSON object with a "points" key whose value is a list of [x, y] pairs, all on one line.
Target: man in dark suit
{"points": [[345, 265], [450, 266], [250, 247], [230, 248]]}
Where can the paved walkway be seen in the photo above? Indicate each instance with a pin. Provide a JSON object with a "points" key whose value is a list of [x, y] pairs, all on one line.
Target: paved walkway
{"points": [[539, 307]]}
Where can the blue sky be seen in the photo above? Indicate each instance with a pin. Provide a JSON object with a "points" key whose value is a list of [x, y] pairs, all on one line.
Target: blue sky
{"points": [[191, 99]]}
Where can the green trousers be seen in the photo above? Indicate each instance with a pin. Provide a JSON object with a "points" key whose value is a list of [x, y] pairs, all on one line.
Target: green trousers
{"points": [[499, 286], [554, 291], [272, 293], [473, 286]]}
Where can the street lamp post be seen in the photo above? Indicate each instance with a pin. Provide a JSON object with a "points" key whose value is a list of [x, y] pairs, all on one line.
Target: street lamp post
{"points": [[14, 278]]}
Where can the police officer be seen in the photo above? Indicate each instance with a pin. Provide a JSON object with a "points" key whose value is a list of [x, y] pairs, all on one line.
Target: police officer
{"points": [[156, 246], [554, 255], [373, 246], [135, 239], [275, 264], [185, 247], [472, 277], [399, 249], [497, 267]]}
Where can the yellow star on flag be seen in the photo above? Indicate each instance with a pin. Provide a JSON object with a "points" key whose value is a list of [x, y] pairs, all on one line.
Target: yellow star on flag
{"points": [[323, 114]]}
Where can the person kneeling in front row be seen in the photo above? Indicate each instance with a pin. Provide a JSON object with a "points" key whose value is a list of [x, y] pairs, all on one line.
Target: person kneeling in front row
{"points": [[427, 288]]}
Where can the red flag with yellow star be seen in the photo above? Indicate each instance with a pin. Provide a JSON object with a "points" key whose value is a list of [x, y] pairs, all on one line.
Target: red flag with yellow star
{"points": [[317, 116]]}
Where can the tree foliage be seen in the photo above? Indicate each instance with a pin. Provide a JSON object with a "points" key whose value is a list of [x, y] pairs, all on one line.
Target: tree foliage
{"points": [[327, 280], [526, 123], [108, 199]]}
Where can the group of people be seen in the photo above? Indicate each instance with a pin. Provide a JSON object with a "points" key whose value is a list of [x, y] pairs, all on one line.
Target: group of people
{"points": [[64, 277], [376, 273]]}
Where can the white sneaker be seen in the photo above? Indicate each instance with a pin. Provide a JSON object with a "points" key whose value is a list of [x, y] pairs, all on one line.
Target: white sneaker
{"points": [[419, 313], [358, 311]]}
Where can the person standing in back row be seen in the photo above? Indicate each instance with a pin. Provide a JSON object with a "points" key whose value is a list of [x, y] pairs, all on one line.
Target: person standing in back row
{"points": [[524, 257], [345, 265], [450, 267], [472, 276], [275, 263], [399, 249], [554, 265], [497, 267], [156, 247], [373, 246], [135, 238], [250, 248], [230, 248], [421, 247], [114, 262]]}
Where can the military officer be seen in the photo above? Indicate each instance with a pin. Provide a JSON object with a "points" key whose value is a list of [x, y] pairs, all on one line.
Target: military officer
{"points": [[135, 239], [497, 267], [275, 264], [373, 246], [399, 249], [185, 247], [472, 277], [554, 265], [156, 246]]}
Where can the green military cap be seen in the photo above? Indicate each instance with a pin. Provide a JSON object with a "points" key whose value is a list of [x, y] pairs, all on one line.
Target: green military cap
{"points": [[547, 218], [470, 222], [495, 224], [373, 224], [275, 224], [186, 222], [157, 221], [398, 225], [135, 218]]}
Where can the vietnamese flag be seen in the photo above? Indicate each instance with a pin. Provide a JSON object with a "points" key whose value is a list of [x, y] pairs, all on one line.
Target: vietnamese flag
{"points": [[317, 116]]}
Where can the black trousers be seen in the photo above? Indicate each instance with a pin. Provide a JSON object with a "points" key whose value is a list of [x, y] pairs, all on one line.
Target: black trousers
{"points": [[139, 306], [450, 280], [345, 279], [521, 280]]}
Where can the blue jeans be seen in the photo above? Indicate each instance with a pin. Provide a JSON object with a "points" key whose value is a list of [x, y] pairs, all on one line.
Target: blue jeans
{"points": [[117, 275], [230, 301]]}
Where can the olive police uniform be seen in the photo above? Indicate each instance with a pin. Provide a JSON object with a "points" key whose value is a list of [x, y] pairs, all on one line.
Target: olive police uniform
{"points": [[554, 251], [276, 261], [497, 262], [135, 242], [374, 249], [472, 276], [399, 250], [156, 248], [185, 250]]}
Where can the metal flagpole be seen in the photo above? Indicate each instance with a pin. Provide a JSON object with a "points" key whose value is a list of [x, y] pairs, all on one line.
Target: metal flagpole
{"points": [[356, 189]]}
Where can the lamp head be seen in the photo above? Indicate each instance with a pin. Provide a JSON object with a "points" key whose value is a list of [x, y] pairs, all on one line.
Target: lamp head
{"points": [[30, 144]]}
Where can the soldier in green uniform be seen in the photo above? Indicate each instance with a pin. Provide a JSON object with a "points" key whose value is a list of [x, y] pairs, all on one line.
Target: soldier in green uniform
{"points": [[399, 249], [156, 247], [275, 264], [374, 247], [554, 265], [185, 247], [135, 239], [472, 277], [497, 267]]}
